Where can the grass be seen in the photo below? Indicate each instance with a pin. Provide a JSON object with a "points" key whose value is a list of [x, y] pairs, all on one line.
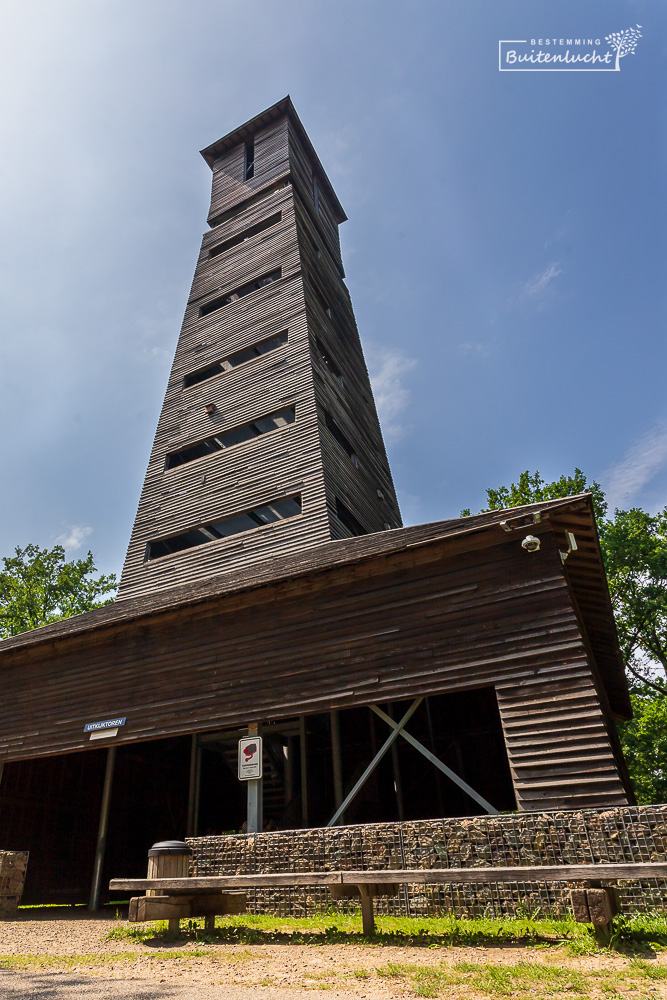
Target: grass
{"points": [[645, 932], [524, 979], [111, 958]]}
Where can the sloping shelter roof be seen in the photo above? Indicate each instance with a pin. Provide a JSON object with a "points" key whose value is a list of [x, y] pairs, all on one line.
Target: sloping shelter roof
{"points": [[585, 574]]}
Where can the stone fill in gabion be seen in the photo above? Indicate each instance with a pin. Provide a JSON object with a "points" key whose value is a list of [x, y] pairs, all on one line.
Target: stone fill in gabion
{"points": [[637, 833]]}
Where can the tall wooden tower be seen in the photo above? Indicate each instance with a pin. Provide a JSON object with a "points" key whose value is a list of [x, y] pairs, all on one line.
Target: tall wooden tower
{"points": [[268, 441]]}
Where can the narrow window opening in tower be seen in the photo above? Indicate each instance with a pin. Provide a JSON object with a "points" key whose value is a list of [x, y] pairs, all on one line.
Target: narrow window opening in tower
{"points": [[226, 439], [239, 293], [342, 440], [347, 518], [235, 241], [329, 362], [320, 298], [238, 358], [249, 160], [250, 202], [249, 520]]}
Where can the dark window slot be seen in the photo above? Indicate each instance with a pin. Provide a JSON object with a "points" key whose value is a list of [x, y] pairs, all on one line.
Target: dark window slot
{"points": [[342, 440], [235, 241], [254, 199], [249, 160], [320, 298], [226, 439], [239, 293], [277, 510], [328, 361], [347, 518], [238, 358]]}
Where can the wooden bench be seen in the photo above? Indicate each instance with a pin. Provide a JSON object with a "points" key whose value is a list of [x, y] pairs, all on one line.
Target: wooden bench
{"points": [[220, 894]]}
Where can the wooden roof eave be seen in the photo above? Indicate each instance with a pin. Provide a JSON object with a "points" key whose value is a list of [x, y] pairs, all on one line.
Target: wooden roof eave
{"points": [[347, 552], [319, 558]]}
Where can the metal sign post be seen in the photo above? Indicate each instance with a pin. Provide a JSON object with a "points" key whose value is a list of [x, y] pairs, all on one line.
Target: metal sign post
{"points": [[250, 770]]}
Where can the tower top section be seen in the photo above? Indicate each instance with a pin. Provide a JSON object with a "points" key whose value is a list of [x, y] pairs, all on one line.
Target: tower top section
{"points": [[245, 133]]}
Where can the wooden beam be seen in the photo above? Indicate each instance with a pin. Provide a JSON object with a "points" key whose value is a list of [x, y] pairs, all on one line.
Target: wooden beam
{"points": [[396, 876], [223, 882]]}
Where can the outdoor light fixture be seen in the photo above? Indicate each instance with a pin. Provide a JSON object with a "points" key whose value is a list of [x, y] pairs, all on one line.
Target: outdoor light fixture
{"points": [[210, 409], [521, 521], [531, 543], [571, 546]]}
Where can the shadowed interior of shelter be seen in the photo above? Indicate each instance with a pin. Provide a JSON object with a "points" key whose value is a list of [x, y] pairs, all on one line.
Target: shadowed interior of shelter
{"points": [[55, 801]]}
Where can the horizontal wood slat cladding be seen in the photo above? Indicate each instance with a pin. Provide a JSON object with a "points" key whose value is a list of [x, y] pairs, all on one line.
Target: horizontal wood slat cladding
{"points": [[414, 623], [299, 460], [271, 161]]}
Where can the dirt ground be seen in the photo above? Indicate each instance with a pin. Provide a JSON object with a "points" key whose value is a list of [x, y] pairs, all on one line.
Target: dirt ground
{"points": [[69, 956]]}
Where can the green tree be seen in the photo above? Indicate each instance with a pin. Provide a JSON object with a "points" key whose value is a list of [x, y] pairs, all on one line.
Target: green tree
{"points": [[531, 488], [644, 742], [634, 545], [38, 586]]}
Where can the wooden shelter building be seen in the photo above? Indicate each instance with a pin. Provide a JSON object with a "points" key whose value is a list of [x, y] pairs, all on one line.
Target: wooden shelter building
{"points": [[269, 584]]}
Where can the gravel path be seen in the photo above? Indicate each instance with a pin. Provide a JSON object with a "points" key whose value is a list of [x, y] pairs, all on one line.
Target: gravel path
{"points": [[66, 956]]}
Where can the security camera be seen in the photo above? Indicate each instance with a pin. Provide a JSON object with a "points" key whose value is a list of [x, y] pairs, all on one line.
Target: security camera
{"points": [[531, 543]]}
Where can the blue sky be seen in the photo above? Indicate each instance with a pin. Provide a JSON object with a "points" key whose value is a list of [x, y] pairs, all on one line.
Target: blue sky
{"points": [[504, 250]]}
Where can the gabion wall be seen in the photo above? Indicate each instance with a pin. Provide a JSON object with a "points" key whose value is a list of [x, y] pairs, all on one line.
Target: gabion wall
{"points": [[570, 837], [13, 866]]}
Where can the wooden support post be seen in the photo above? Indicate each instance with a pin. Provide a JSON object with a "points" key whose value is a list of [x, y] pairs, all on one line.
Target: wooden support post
{"points": [[367, 916], [396, 768], [193, 787], [255, 818], [289, 772], [431, 739], [100, 850], [597, 905], [336, 758], [304, 771], [209, 923], [174, 926]]}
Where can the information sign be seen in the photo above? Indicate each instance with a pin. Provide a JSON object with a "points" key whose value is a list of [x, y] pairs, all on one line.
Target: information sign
{"points": [[250, 759]]}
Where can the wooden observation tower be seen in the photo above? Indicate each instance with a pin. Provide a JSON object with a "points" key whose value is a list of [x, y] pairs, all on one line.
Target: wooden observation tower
{"points": [[268, 442]]}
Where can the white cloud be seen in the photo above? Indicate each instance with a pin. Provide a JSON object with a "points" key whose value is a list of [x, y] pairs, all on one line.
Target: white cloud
{"points": [[387, 370], [538, 284], [643, 460], [72, 539]]}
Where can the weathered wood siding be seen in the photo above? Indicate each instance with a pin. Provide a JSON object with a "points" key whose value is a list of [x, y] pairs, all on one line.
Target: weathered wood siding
{"points": [[271, 162], [430, 620], [300, 459]]}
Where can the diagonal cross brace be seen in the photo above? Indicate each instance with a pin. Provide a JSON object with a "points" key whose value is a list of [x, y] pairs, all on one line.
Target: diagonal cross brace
{"points": [[398, 726], [389, 742]]}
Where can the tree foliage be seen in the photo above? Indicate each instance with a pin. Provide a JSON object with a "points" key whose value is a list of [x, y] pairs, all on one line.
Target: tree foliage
{"points": [[644, 742], [634, 545], [531, 488], [38, 586]]}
